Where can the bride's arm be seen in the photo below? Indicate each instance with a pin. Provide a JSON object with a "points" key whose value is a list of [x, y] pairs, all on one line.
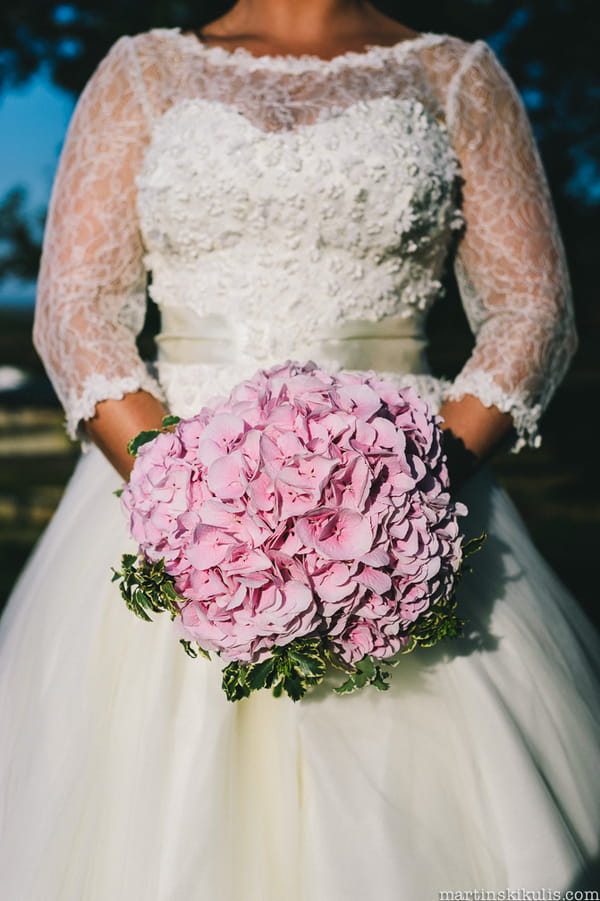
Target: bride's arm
{"points": [[510, 267], [116, 422], [91, 290]]}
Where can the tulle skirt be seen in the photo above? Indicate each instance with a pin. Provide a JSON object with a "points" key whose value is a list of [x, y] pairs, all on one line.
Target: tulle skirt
{"points": [[126, 775]]}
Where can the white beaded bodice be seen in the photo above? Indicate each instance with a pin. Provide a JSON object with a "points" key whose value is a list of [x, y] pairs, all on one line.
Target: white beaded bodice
{"points": [[288, 240], [285, 205]]}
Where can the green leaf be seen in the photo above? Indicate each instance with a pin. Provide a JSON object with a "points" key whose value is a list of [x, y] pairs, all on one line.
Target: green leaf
{"points": [[474, 545], [143, 438], [134, 445], [259, 673], [310, 663], [406, 650], [337, 662], [369, 671], [294, 686], [118, 492], [169, 590], [291, 669], [346, 687], [366, 667], [187, 647], [146, 587], [233, 682]]}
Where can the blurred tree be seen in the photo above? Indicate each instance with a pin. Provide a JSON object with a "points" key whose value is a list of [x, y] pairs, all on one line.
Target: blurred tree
{"points": [[20, 236]]}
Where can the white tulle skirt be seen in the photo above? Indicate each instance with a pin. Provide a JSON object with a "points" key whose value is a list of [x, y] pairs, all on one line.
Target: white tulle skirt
{"points": [[125, 774]]}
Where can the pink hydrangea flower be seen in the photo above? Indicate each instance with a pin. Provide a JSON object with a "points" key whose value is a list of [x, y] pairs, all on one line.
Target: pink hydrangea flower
{"points": [[303, 504]]}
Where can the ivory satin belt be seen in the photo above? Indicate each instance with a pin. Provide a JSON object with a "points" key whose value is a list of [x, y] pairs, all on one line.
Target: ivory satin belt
{"points": [[394, 344]]}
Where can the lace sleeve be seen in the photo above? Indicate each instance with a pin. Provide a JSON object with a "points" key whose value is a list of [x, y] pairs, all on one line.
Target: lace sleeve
{"points": [[510, 263], [91, 288]]}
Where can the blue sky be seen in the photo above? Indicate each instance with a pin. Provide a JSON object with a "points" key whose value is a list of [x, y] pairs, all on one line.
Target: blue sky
{"points": [[33, 120]]}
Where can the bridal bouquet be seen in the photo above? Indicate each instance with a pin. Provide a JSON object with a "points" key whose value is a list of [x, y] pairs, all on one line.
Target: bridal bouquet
{"points": [[303, 521]]}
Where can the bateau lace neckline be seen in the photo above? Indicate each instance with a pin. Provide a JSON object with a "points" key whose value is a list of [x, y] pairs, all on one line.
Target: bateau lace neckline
{"points": [[371, 55]]}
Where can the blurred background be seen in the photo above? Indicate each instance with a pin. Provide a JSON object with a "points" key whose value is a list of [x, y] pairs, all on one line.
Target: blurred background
{"points": [[551, 49]]}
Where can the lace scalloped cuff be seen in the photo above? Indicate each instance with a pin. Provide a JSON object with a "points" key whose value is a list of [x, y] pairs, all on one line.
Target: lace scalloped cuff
{"points": [[98, 387], [525, 415]]}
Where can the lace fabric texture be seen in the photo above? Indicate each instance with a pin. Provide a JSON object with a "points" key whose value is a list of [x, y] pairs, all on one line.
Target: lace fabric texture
{"points": [[292, 196]]}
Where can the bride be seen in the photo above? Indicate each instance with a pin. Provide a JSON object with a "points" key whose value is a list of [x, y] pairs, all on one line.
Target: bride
{"points": [[295, 177]]}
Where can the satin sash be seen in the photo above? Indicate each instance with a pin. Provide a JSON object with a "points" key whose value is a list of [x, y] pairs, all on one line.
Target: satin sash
{"points": [[393, 344]]}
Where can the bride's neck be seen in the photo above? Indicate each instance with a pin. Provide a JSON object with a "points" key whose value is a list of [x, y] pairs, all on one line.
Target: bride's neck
{"points": [[301, 20]]}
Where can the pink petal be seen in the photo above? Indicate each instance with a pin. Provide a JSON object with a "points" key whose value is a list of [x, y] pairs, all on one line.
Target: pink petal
{"points": [[309, 472], [210, 547], [345, 535], [219, 435], [226, 477], [378, 581], [360, 400]]}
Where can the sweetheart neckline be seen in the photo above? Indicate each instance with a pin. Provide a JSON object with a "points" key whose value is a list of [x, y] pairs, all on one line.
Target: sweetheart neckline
{"points": [[333, 113]]}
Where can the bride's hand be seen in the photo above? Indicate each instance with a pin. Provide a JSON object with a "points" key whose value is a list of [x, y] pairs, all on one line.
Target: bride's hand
{"points": [[118, 421], [472, 433]]}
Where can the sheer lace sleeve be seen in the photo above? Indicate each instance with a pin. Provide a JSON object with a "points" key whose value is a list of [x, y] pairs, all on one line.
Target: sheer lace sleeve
{"points": [[91, 289], [510, 263]]}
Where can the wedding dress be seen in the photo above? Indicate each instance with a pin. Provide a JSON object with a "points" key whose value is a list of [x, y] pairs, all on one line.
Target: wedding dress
{"points": [[295, 208]]}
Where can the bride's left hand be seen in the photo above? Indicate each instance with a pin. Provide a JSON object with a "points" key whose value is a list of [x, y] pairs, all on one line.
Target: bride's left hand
{"points": [[472, 433], [116, 422]]}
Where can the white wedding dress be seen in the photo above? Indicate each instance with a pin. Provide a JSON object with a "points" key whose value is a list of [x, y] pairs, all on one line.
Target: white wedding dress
{"points": [[295, 208]]}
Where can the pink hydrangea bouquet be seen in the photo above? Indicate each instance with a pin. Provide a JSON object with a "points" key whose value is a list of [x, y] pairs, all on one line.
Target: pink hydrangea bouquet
{"points": [[301, 522]]}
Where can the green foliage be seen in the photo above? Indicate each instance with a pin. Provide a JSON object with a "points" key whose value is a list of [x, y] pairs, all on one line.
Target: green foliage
{"points": [[368, 671], [144, 437], [291, 669], [471, 547], [146, 587], [191, 652]]}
